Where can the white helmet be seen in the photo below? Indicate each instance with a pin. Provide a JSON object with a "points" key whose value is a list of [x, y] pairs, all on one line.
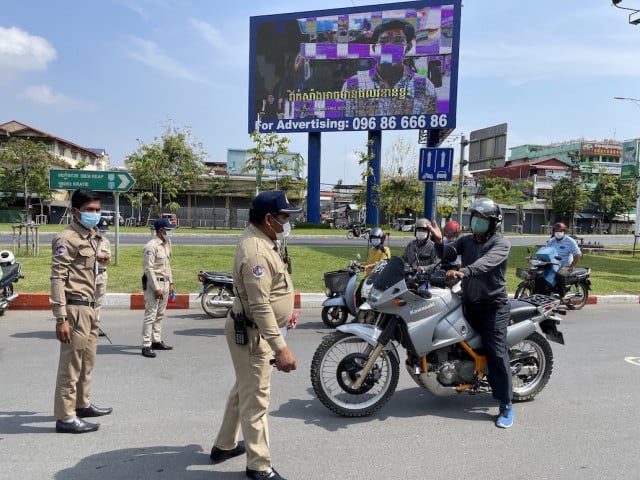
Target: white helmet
{"points": [[7, 258]]}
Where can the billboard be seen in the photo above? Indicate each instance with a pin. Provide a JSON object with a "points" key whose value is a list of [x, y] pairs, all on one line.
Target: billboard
{"points": [[629, 159], [488, 147], [381, 67]]}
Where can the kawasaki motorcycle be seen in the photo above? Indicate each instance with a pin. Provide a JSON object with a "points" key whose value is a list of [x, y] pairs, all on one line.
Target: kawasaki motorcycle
{"points": [[355, 370]]}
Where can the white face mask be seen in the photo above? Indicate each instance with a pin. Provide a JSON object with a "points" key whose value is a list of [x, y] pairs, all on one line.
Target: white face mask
{"points": [[375, 242], [559, 235], [286, 230], [422, 235]]}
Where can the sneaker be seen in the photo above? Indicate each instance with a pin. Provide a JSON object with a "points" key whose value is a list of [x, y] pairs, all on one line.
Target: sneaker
{"points": [[505, 419]]}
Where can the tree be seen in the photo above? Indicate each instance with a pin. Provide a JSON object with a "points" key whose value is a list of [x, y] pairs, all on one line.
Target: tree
{"points": [[271, 151], [505, 190], [24, 168], [611, 196], [166, 167], [567, 198]]}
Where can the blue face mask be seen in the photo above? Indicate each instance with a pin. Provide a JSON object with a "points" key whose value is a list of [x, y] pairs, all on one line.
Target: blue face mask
{"points": [[89, 220], [479, 225]]}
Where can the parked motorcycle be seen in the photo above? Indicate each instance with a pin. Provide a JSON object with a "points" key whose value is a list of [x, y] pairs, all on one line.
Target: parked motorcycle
{"points": [[340, 287], [355, 370], [357, 231], [216, 293], [11, 273], [541, 278]]}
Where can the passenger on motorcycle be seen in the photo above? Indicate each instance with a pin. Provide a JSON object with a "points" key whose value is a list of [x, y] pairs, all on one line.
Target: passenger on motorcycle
{"points": [[377, 252], [451, 231], [420, 253], [568, 251], [485, 302]]}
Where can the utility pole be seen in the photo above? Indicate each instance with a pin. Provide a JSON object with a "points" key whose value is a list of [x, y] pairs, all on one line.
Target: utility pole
{"points": [[463, 143]]}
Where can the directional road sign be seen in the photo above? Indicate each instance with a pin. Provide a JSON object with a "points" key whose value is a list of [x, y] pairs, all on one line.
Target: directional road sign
{"points": [[436, 164], [91, 179]]}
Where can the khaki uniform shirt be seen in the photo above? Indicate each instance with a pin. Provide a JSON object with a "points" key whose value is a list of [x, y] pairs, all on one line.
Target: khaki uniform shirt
{"points": [[263, 285], [104, 249], [156, 262], [73, 267]]}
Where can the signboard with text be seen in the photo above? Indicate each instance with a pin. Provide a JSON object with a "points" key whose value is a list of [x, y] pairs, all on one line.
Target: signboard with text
{"points": [[107, 181], [380, 67]]}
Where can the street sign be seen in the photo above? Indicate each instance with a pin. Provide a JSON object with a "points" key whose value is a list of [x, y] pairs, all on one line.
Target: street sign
{"points": [[436, 164], [109, 181]]}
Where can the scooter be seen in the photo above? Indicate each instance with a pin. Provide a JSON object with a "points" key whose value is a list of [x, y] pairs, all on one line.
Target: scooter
{"points": [[340, 287], [355, 370], [216, 293], [358, 231], [541, 277], [11, 273]]}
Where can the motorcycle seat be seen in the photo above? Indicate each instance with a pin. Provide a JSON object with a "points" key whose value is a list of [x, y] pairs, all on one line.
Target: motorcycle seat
{"points": [[217, 276], [521, 310], [580, 272]]}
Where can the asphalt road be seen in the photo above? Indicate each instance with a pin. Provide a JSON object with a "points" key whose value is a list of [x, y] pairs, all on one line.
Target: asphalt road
{"points": [[584, 425]]}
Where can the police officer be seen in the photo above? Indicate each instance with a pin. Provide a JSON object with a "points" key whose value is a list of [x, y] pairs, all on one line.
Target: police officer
{"points": [[159, 285], [265, 298], [75, 263], [485, 254], [420, 253], [104, 251]]}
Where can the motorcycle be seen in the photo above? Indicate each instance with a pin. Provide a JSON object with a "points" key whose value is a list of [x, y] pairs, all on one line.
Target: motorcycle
{"points": [[216, 293], [11, 273], [540, 278], [357, 231], [355, 370], [340, 287]]}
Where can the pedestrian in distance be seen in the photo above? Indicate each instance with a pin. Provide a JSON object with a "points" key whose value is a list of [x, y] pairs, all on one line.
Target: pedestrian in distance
{"points": [[262, 311], [75, 264], [104, 250], [485, 254], [158, 285]]}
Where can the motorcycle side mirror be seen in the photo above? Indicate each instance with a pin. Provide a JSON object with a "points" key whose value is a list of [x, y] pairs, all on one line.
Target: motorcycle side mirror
{"points": [[449, 254], [358, 256]]}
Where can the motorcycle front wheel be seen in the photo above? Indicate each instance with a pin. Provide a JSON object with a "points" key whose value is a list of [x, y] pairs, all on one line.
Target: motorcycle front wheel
{"points": [[334, 316], [531, 363], [216, 293], [579, 294], [6, 293], [335, 367], [524, 289], [350, 234]]}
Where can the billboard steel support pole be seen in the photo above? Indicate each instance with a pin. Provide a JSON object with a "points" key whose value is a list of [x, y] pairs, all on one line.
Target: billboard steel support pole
{"points": [[373, 179], [313, 172]]}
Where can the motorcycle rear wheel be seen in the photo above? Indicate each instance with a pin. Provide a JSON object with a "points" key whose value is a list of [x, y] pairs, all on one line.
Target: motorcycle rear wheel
{"points": [[334, 316], [215, 293], [531, 363], [524, 289], [350, 234], [580, 295], [6, 293], [334, 369]]}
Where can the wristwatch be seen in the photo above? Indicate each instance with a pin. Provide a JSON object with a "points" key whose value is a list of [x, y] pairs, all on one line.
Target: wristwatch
{"points": [[60, 320]]}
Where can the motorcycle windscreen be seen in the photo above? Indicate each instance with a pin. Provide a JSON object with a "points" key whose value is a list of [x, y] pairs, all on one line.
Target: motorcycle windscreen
{"points": [[391, 273]]}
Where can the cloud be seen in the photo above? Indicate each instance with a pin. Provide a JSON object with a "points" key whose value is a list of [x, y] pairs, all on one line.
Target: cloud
{"points": [[142, 7], [44, 95], [21, 51], [150, 54]]}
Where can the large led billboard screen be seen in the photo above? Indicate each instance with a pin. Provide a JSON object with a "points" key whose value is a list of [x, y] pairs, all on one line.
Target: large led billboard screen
{"points": [[381, 67]]}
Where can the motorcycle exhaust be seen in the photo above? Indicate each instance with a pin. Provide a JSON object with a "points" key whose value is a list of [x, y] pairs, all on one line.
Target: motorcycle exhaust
{"points": [[12, 297], [220, 303]]}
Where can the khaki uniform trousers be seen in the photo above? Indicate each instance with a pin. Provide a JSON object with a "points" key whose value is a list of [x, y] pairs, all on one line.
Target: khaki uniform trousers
{"points": [[248, 402], [153, 314], [76, 362]]}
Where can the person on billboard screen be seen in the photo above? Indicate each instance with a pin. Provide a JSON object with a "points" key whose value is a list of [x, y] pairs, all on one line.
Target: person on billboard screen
{"points": [[392, 86]]}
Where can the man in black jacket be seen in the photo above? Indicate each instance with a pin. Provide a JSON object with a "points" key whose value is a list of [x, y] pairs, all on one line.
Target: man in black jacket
{"points": [[485, 254]]}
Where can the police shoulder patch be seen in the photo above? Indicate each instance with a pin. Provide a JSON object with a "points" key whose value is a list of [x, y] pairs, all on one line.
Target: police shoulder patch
{"points": [[258, 270], [60, 249]]}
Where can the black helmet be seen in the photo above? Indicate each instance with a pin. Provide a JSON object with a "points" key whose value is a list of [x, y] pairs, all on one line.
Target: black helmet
{"points": [[488, 208]]}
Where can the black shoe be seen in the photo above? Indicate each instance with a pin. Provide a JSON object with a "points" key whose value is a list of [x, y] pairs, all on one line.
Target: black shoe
{"points": [[93, 411], [101, 333], [161, 346], [76, 426], [264, 474], [218, 455], [147, 352]]}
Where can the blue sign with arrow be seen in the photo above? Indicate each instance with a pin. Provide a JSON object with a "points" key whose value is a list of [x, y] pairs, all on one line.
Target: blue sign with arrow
{"points": [[436, 164]]}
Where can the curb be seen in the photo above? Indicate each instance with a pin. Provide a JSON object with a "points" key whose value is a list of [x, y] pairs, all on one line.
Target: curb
{"points": [[135, 301]]}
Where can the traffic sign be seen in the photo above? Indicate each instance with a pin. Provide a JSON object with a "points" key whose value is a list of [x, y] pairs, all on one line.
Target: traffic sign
{"points": [[436, 164], [107, 181]]}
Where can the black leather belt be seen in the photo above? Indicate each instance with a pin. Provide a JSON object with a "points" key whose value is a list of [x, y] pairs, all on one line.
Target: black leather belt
{"points": [[82, 303]]}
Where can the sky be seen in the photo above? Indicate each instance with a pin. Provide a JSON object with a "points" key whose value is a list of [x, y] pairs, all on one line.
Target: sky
{"points": [[111, 73]]}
